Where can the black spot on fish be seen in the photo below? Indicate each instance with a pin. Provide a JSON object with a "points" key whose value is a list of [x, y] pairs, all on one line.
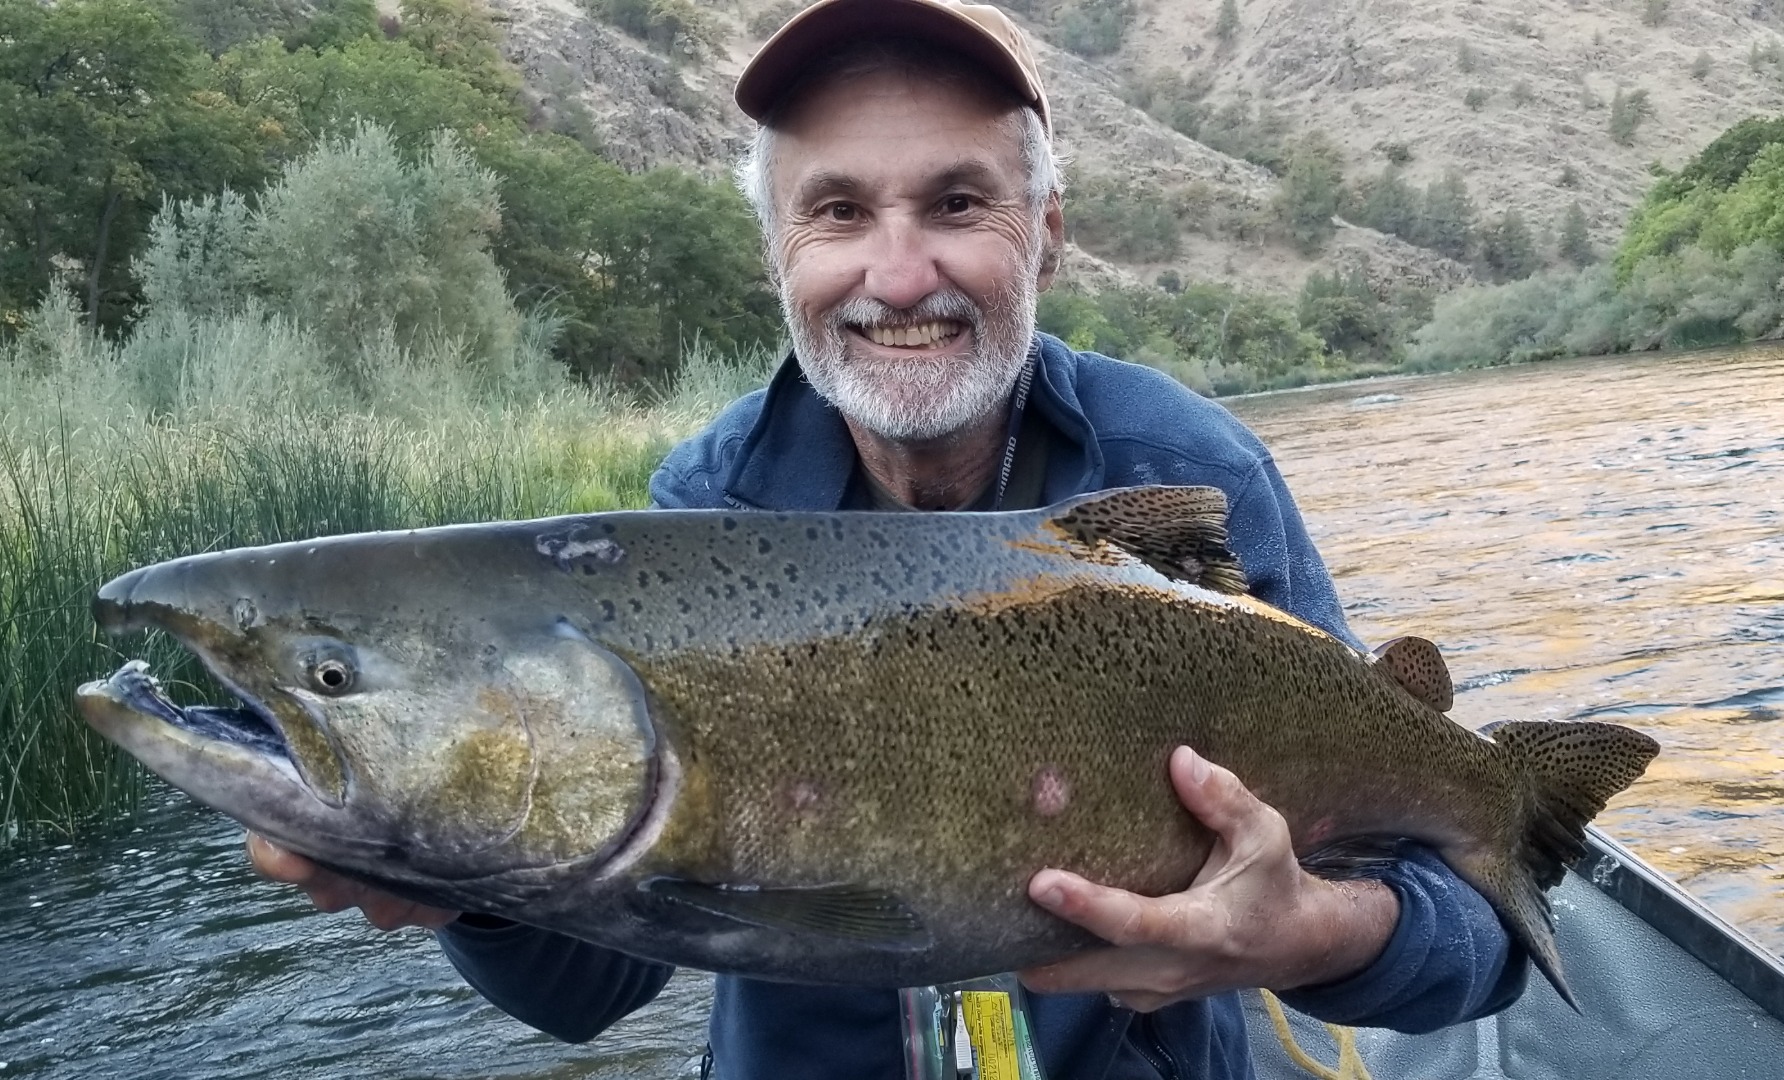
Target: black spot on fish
{"points": [[682, 605], [644, 579], [811, 532], [763, 547], [637, 605], [730, 523], [792, 573], [608, 612], [722, 566], [878, 538], [748, 582]]}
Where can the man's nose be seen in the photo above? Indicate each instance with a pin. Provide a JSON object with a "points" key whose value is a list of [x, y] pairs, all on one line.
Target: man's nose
{"points": [[903, 270]]}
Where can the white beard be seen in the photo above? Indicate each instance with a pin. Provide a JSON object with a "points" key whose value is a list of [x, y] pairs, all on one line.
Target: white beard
{"points": [[915, 398]]}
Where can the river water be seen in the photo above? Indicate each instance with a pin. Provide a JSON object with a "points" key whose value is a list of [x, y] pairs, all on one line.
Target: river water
{"points": [[1596, 538]]}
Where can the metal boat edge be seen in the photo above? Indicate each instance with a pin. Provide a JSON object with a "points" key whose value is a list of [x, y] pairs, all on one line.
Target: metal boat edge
{"points": [[1684, 920]]}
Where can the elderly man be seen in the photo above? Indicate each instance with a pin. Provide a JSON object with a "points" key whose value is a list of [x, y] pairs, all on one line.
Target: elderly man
{"points": [[910, 200]]}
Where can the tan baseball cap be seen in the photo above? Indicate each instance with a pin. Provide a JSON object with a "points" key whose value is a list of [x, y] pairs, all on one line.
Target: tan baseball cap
{"points": [[978, 31]]}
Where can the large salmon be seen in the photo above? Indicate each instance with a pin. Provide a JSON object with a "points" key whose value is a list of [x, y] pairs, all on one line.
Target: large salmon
{"points": [[823, 747]]}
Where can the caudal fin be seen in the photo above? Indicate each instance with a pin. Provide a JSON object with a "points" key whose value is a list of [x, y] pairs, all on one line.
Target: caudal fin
{"points": [[1571, 770]]}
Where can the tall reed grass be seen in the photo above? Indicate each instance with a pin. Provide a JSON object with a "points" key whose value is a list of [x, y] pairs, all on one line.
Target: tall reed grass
{"points": [[216, 433]]}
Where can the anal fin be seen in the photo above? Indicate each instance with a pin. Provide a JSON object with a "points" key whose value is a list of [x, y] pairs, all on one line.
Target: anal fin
{"points": [[853, 912]]}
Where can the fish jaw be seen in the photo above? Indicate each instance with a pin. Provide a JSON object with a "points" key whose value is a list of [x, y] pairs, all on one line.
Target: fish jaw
{"points": [[230, 760]]}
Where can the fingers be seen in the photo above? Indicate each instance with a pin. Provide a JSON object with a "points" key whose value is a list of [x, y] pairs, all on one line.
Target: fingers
{"points": [[331, 892], [1141, 978], [1116, 916], [274, 863]]}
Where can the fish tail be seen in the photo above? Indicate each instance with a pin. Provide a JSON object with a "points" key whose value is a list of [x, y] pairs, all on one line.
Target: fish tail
{"points": [[1570, 770]]}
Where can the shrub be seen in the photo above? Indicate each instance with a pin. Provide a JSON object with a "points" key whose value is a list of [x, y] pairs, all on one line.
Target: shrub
{"points": [[1467, 62], [1575, 244], [1654, 11], [1628, 110], [1124, 220], [1226, 26], [1476, 98], [1508, 249], [771, 18], [1700, 67], [1095, 27]]}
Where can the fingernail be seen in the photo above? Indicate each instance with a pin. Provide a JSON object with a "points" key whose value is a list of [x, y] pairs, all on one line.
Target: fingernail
{"points": [[1198, 766], [1052, 896]]}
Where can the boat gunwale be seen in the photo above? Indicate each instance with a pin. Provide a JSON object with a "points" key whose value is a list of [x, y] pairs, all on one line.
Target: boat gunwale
{"points": [[1684, 920]]}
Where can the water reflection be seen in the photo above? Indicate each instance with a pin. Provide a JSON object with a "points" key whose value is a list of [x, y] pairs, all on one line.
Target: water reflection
{"points": [[1598, 539]]}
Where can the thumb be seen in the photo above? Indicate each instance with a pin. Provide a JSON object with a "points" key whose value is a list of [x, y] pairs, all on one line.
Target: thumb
{"points": [[1216, 797]]}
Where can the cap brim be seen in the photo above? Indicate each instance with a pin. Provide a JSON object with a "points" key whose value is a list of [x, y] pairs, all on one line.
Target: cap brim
{"points": [[786, 56]]}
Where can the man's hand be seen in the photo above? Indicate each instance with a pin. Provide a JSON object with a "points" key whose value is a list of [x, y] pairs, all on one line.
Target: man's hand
{"points": [[331, 892], [1252, 917]]}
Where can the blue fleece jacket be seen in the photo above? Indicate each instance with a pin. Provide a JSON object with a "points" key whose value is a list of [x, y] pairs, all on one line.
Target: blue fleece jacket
{"points": [[1116, 424]]}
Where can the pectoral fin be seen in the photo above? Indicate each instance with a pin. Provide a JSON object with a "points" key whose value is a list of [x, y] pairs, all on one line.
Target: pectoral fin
{"points": [[843, 911], [1178, 531]]}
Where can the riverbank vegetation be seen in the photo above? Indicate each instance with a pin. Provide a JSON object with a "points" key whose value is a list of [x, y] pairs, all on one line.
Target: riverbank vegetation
{"points": [[1701, 263]]}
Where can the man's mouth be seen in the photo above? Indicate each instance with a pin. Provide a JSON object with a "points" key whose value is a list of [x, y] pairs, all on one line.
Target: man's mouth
{"points": [[928, 335]]}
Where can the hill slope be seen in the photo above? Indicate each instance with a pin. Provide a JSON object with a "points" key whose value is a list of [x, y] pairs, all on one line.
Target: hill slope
{"points": [[1371, 75]]}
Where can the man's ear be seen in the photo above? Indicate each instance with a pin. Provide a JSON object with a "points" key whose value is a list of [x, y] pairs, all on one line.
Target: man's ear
{"points": [[1053, 250]]}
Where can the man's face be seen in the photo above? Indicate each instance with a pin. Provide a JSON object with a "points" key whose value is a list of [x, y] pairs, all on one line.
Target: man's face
{"points": [[909, 255]]}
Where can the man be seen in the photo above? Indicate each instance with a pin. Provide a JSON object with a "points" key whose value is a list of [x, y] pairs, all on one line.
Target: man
{"points": [[911, 207]]}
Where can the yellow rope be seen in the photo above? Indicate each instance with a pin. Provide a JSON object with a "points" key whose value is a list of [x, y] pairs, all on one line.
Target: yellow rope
{"points": [[1350, 1063]]}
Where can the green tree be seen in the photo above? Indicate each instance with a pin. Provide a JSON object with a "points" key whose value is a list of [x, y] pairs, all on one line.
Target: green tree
{"points": [[220, 25], [1576, 240], [1226, 25], [1446, 224], [1312, 192], [334, 23], [1700, 66], [1654, 11], [635, 265], [1390, 205], [104, 110], [459, 36], [354, 242], [1345, 312], [1508, 249], [1476, 98]]}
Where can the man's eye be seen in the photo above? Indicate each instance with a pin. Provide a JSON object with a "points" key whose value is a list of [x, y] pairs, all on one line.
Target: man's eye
{"points": [[840, 212], [957, 204]]}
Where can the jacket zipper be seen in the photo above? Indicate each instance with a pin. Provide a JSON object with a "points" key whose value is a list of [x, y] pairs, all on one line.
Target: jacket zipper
{"points": [[1153, 1049]]}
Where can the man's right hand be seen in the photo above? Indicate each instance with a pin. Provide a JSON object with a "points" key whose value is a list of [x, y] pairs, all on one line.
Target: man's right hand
{"points": [[331, 892]]}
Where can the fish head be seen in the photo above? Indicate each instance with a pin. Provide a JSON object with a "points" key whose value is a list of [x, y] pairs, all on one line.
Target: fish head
{"points": [[438, 731]]}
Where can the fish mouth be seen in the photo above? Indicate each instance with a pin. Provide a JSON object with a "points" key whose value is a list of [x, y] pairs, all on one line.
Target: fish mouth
{"points": [[250, 725]]}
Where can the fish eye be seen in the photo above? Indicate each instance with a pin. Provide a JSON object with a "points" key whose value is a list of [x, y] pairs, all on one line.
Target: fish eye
{"points": [[329, 667], [333, 676]]}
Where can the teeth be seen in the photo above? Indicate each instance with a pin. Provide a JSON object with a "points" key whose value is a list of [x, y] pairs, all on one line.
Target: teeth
{"points": [[931, 333]]}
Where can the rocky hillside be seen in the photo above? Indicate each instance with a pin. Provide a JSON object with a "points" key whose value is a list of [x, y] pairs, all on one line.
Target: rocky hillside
{"points": [[1515, 95]]}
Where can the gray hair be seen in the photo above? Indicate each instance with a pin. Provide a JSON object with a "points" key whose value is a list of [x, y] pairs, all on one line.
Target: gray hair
{"points": [[1044, 166]]}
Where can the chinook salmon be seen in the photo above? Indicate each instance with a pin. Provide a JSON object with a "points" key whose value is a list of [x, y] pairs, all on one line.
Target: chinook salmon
{"points": [[820, 747]]}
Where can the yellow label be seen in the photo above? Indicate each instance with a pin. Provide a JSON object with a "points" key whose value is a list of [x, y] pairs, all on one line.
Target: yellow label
{"points": [[993, 1033]]}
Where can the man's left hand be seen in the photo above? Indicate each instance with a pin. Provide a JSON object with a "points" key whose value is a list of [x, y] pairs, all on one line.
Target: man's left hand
{"points": [[1252, 917]]}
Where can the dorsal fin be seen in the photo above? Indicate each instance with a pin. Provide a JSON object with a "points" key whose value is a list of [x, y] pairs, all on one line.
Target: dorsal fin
{"points": [[1178, 531], [1418, 667]]}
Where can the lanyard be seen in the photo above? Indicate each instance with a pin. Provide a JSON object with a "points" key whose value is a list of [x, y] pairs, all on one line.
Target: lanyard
{"points": [[1018, 405]]}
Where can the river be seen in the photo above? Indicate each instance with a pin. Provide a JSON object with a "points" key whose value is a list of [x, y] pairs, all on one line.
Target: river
{"points": [[1600, 538]]}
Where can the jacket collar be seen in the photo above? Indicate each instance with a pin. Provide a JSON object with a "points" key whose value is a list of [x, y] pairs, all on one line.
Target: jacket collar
{"points": [[799, 455]]}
